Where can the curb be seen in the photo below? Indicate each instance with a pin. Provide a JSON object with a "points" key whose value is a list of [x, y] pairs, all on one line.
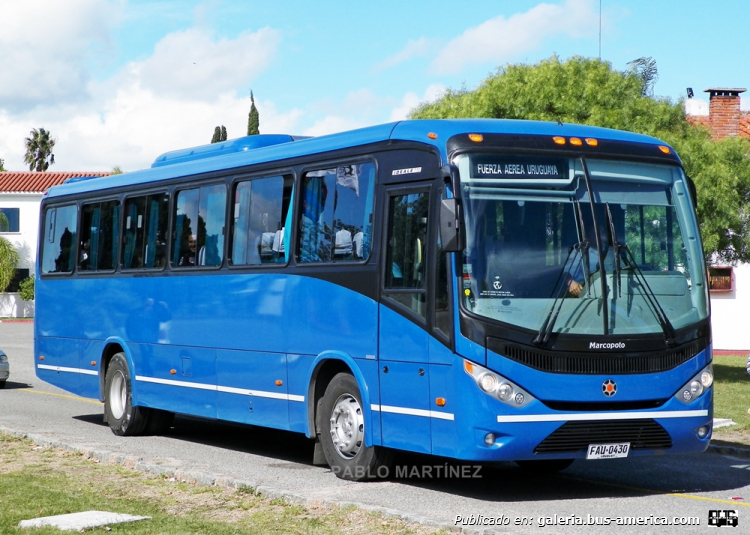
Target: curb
{"points": [[211, 480]]}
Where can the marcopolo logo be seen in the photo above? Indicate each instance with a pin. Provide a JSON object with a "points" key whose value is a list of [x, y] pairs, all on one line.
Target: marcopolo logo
{"points": [[607, 345]]}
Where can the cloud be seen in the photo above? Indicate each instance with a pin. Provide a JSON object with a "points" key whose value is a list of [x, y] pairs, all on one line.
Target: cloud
{"points": [[412, 100], [499, 40], [413, 49], [46, 47], [191, 64]]}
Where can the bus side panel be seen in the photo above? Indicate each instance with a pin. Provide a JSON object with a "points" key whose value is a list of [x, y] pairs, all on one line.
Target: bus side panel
{"points": [[248, 392], [60, 364], [176, 378], [298, 370], [442, 385], [90, 364]]}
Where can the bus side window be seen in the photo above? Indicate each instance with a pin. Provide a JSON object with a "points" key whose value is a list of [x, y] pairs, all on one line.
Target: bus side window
{"points": [[258, 221], [335, 222], [145, 232], [198, 238], [58, 253], [99, 231]]}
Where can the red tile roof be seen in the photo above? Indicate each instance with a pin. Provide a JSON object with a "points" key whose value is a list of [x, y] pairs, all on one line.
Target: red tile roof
{"points": [[35, 182]]}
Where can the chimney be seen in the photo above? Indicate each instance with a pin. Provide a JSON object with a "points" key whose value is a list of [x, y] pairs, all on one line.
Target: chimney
{"points": [[724, 112]]}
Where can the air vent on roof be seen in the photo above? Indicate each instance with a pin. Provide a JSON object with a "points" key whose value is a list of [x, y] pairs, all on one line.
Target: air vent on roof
{"points": [[226, 147]]}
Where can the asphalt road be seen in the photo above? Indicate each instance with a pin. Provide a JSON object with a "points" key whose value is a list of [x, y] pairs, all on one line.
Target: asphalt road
{"points": [[650, 488]]}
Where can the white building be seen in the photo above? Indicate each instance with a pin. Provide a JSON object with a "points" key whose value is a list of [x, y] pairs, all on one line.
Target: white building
{"points": [[20, 196]]}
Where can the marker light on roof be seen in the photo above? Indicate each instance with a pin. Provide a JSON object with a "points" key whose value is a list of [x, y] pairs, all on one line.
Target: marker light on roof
{"points": [[432, 135], [476, 138], [664, 149], [591, 141], [559, 140], [576, 141]]}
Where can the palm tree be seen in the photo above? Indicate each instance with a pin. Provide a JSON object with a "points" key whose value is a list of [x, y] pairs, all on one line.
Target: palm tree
{"points": [[9, 258], [39, 150]]}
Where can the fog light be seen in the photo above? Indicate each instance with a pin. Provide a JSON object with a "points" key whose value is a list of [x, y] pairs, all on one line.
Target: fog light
{"points": [[519, 398], [504, 391], [696, 388], [487, 382], [702, 432], [489, 439], [686, 395]]}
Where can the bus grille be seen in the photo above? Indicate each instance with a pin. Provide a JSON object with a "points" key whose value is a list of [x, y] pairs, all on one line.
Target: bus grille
{"points": [[601, 364], [575, 436]]}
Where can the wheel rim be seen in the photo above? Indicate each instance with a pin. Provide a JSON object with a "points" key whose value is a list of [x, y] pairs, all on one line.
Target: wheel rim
{"points": [[347, 426], [117, 395]]}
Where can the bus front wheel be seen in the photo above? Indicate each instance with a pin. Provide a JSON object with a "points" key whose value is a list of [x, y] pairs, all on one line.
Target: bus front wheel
{"points": [[123, 418], [342, 433]]}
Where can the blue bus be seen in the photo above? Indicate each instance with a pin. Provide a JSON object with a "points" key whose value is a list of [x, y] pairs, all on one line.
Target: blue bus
{"points": [[483, 290]]}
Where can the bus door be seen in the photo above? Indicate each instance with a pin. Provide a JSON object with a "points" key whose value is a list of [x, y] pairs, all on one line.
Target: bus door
{"points": [[403, 338]]}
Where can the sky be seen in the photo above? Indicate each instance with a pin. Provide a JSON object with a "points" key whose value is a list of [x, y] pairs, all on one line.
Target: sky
{"points": [[118, 82]]}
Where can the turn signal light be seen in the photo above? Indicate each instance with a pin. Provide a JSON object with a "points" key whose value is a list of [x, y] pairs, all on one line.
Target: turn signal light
{"points": [[279, 382], [173, 372], [93, 363], [440, 402], [432, 135]]}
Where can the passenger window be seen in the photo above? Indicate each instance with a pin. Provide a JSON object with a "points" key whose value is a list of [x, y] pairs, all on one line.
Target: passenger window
{"points": [[97, 247], [406, 253], [260, 209], [145, 236], [198, 238], [336, 216], [58, 251]]}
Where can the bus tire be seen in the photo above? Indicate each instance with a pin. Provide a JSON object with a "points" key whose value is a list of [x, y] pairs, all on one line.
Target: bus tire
{"points": [[342, 433], [123, 418], [545, 466]]}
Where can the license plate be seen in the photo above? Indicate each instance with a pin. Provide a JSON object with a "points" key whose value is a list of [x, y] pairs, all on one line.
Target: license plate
{"points": [[608, 451]]}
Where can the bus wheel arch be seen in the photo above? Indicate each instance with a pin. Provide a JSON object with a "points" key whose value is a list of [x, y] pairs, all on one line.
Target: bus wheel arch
{"points": [[110, 350]]}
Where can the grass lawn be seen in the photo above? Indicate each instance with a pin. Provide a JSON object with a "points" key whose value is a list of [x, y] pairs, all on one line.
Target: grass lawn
{"points": [[37, 482], [732, 397]]}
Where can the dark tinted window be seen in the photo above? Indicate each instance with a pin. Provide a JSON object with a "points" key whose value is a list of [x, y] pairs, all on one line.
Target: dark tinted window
{"points": [[198, 238], [145, 234], [97, 248], [260, 208], [336, 217], [58, 241]]}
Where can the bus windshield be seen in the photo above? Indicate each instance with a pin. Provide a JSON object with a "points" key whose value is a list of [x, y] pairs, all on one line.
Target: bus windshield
{"points": [[535, 243]]}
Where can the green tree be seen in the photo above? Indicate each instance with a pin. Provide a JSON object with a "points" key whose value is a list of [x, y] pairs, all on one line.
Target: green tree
{"points": [[9, 258], [253, 119], [590, 91], [116, 170], [220, 134], [2, 162], [39, 150], [26, 289]]}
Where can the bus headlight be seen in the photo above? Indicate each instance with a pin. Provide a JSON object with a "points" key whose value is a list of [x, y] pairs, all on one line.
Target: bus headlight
{"points": [[697, 386], [498, 386], [487, 382]]}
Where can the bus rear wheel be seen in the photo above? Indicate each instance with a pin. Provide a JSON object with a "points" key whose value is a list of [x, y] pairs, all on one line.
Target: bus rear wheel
{"points": [[123, 418], [342, 433]]}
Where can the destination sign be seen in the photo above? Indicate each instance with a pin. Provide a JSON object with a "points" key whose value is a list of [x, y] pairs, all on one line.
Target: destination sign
{"points": [[519, 167]]}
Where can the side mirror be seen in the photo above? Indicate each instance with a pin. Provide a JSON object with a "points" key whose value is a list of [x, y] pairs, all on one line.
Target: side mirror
{"points": [[450, 232]]}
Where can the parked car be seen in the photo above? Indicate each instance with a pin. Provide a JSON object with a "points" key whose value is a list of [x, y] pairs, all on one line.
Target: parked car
{"points": [[4, 368]]}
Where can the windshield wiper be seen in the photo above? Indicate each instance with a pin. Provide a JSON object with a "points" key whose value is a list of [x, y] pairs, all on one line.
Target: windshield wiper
{"points": [[583, 242], [616, 247], [648, 293], [549, 322]]}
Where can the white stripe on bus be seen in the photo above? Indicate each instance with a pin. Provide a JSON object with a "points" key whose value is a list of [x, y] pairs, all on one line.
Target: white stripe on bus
{"points": [[599, 416], [225, 389], [413, 412], [68, 370]]}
